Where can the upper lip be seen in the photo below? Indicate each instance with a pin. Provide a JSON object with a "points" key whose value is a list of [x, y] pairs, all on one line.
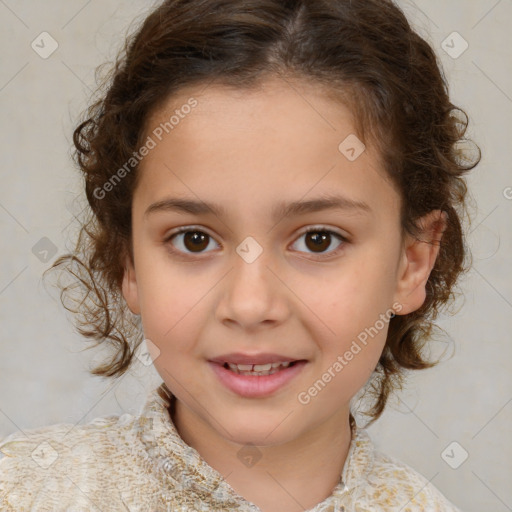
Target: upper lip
{"points": [[263, 358]]}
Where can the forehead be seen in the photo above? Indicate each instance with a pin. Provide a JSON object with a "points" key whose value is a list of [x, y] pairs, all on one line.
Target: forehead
{"points": [[236, 145], [288, 108]]}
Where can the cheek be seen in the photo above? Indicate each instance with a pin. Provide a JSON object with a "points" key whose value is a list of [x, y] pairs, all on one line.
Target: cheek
{"points": [[349, 299], [349, 313], [350, 355], [170, 303]]}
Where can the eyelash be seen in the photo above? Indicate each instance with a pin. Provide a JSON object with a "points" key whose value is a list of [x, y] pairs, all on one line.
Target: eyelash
{"points": [[315, 229]]}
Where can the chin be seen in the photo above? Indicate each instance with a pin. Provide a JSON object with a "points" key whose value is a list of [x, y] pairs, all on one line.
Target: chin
{"points": [[259, 432]]}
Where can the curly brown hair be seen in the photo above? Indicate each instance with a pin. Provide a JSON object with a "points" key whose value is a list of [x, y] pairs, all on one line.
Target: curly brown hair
{"points": [[363, 51]]}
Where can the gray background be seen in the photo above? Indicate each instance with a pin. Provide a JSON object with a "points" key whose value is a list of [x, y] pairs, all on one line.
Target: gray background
{"points": [[43, 369]]}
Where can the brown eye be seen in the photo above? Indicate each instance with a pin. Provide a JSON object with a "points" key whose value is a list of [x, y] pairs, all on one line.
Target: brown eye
{"points": [[195, 240], [190, 241], [318, 241]]}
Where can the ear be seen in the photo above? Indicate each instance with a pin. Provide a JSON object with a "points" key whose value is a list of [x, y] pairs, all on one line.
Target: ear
{"points": [[129, 287], [417, 261]]}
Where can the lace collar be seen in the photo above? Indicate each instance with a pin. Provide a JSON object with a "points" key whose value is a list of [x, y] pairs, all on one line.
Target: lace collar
{"points": [[181, 469]]}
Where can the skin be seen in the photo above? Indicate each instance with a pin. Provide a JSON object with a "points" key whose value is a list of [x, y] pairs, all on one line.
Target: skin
{"points": [[248, 151]]}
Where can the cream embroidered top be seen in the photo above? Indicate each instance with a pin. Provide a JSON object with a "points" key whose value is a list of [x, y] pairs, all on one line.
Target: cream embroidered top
{"points": [[140, 463]]}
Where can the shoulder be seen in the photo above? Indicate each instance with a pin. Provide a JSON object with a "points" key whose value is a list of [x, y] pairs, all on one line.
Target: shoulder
{"points": [[38, 464], [377, 481], [396, 484]]}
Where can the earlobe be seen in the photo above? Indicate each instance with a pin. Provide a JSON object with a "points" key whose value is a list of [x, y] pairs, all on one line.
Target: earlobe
{"points": [[129, 287], [417, 261]]}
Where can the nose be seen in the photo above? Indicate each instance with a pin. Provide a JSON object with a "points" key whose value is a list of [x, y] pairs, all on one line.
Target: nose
{"points": [[253, 295]]}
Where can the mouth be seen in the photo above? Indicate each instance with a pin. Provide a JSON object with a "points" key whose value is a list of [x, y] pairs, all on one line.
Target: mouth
{"points": [[257, 380], [259, 369]]}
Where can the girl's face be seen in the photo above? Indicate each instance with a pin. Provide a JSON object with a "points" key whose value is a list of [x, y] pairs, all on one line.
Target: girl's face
{"points": [[246, 278]]}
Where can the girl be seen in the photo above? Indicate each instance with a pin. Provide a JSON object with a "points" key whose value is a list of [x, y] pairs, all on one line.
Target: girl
{"points": [[275, 211]]}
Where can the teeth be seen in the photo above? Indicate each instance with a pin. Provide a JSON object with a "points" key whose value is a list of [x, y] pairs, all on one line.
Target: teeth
{"points": [[257, 369], [262, 367]]}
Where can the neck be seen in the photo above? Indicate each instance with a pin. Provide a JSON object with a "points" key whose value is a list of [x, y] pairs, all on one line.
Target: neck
{"points": [[300, 473]]}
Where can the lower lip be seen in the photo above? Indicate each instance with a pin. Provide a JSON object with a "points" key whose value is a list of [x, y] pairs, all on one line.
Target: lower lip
{"points": [[256, 386]]}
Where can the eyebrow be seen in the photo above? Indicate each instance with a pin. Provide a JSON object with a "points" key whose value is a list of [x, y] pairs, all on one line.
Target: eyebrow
{"points": [[281, 210]]}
